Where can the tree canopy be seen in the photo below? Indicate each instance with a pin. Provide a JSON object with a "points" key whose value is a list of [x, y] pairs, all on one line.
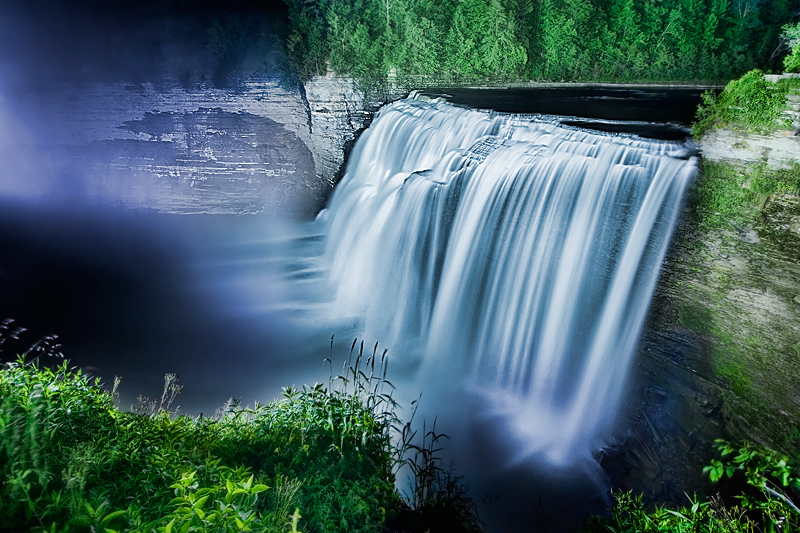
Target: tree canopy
{"points": [[580, 40]]}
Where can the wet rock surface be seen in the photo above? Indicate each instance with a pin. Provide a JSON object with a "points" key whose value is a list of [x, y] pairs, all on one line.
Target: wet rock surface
{"points": [[719, 354], [253, 148]]}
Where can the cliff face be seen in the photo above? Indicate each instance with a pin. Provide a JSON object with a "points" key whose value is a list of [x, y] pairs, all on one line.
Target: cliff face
{"points": [[720, 354], [256, 148], [337, 114], [779, 149]]}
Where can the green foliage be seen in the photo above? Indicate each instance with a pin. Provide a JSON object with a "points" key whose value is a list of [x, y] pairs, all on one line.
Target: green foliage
{"points": [[335, 438], [356, 44], [581, 40], [791, 36], [482, 41], [560, 38], [774, 476], [70, 461], [728, 196], [791, 63], [306, 43], [766, 505], [629, 515], [227, 505], [750, 103]]}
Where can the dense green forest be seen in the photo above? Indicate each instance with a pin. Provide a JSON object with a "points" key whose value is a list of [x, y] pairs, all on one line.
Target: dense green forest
{"points": [[570, 40]]}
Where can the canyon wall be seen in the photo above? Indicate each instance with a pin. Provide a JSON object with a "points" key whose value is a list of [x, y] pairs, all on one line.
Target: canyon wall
{"points": [[254, 148], [720, 354]]}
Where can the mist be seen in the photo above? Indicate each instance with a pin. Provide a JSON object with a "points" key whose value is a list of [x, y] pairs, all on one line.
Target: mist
{"points": [[113, 230]]}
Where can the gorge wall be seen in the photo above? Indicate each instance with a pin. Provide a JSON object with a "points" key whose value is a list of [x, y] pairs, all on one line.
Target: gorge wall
{"points": [[719, 355], [254, 148]]}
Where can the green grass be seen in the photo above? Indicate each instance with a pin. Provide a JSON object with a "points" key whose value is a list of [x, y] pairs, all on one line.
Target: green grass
{"points": [[321, 459]]}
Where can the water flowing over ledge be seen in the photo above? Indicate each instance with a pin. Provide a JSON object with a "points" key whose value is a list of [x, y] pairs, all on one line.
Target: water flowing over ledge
{"points": [[509, 252]]}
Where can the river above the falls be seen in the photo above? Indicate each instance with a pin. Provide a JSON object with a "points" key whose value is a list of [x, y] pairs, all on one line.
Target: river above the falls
{"points": [[135, 289]]}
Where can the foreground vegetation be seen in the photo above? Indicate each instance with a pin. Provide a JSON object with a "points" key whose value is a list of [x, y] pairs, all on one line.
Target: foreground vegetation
{"points": [[320, 459], [764, 484]]}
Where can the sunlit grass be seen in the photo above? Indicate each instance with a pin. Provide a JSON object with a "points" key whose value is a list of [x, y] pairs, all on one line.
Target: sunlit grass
{"points": [[322, 458]]}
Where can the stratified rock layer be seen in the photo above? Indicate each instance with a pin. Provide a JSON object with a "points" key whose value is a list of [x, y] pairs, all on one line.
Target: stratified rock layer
{"points": [[255, 148], [778, 150], [337, 116]]}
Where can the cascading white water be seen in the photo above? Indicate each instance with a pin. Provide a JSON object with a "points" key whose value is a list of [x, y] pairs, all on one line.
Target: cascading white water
{"points": [[510, 251]]}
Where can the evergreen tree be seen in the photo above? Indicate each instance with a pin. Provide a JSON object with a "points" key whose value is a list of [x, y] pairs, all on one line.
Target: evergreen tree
{"points": [[418, 50], [500, 50], [459, 47], [482, 41], [559, 41], [355, 46], [659, 25], [626, 42], [306, 42], [679, 40]]}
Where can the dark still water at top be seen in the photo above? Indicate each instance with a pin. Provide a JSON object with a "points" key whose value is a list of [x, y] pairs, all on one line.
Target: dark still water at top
{"points": [[228, 302], [653, 112]]}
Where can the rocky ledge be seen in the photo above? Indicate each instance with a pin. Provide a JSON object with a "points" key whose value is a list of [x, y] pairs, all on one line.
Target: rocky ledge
{"points": [[779, 149]]}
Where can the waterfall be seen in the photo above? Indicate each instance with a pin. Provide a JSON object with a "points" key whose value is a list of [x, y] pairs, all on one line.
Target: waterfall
{"points": [[509, 252]]}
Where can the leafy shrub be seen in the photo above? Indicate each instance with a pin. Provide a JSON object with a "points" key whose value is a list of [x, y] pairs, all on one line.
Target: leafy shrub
{"points": [[767, 505], [774, 476], [750, 103]]}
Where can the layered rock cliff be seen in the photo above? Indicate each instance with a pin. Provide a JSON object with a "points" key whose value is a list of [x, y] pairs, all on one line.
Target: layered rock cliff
{"points": [[720, 355], [255, 148], [337, 114]]}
